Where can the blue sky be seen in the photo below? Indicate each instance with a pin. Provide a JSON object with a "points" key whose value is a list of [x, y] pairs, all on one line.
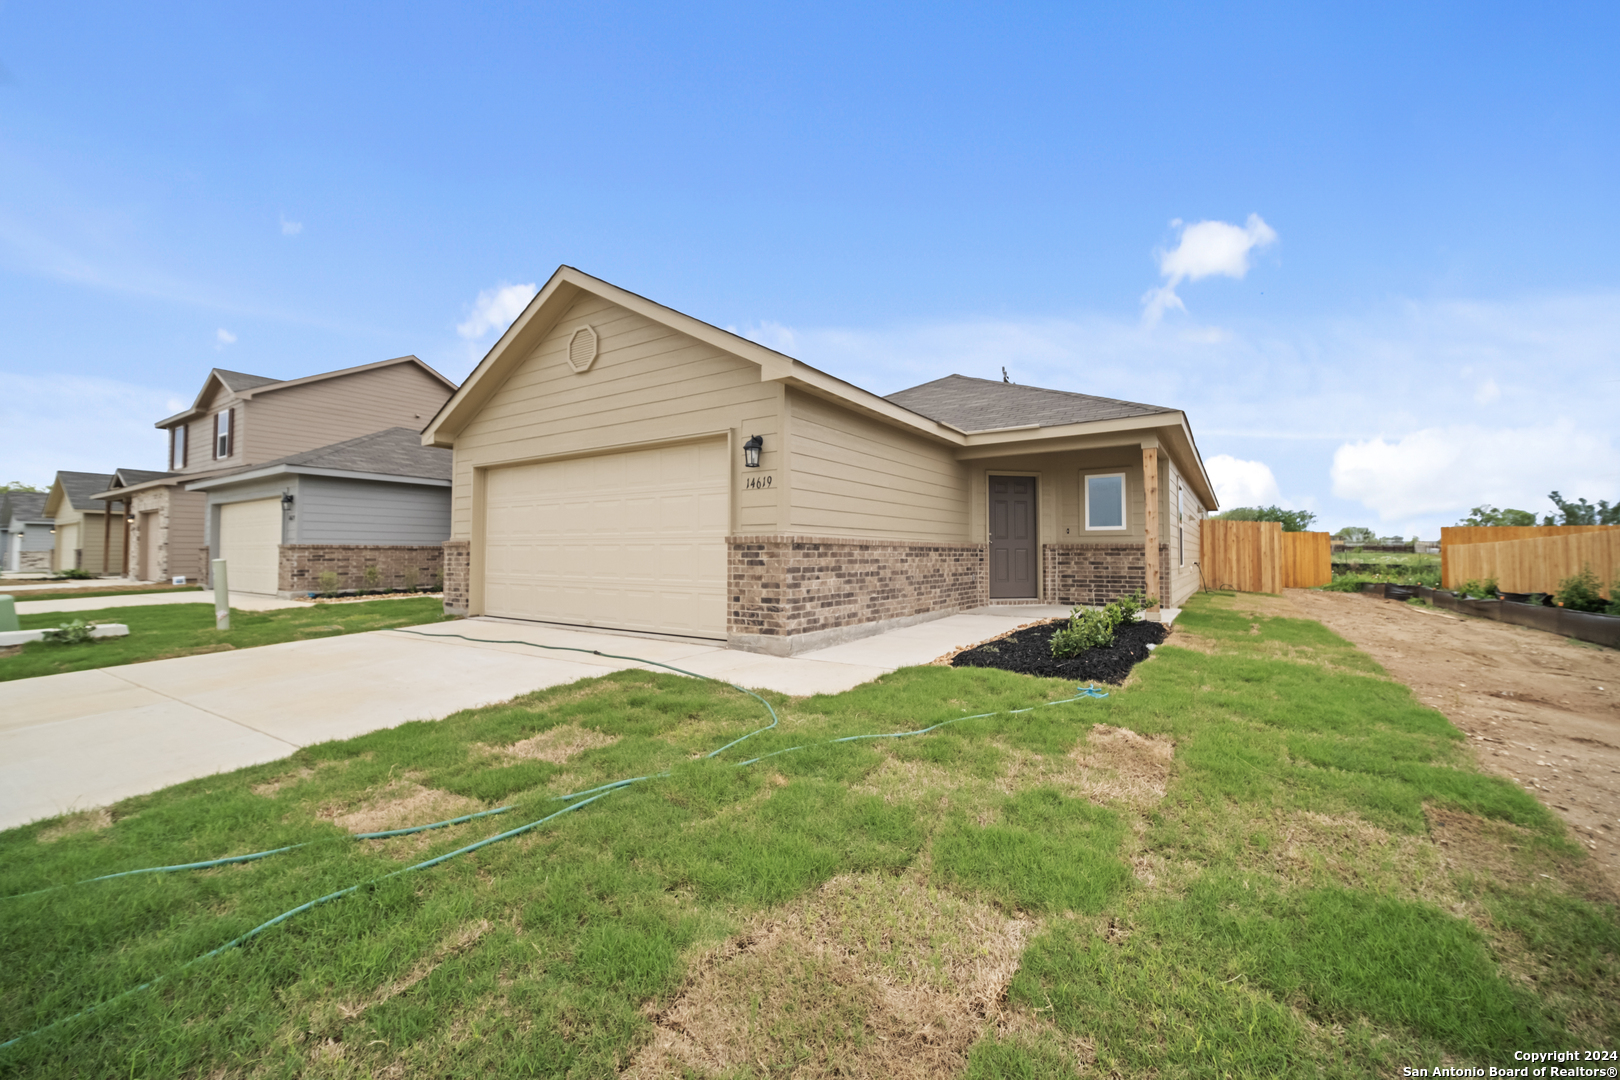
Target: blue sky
{"points": [[1389, 232]]}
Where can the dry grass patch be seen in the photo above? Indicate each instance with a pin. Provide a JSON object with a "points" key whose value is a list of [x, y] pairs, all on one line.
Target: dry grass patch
{"points": [[556, 745], [400, 804], [82, 822], [1118, 765], [871, 976], [452, 945]]}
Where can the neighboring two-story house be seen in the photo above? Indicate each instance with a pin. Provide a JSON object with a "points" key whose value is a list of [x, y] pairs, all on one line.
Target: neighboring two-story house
{"points": [[240, 420]]}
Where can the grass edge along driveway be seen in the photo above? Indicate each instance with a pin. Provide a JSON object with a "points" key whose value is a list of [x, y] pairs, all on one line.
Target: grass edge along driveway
{"points": [[162, 631], [1317, 881]]}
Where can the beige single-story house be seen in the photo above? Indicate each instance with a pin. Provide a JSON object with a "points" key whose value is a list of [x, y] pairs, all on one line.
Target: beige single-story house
{"points": [[87, 536], [621, 465], [239, 420]]}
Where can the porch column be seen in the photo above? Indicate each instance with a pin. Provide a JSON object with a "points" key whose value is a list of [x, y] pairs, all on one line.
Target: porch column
{"points": [[126, 515], [1150, 519], [106, 532]]}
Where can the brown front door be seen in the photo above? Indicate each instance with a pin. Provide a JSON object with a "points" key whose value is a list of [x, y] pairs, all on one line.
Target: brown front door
{"points": [[1012, 536]]}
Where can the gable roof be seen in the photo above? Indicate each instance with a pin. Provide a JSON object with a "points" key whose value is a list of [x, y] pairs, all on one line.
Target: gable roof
{"points": [[131, 477], [246, 387], [79, 489], [1037, 417], [392, 452], [981, 405], [22, 506]]}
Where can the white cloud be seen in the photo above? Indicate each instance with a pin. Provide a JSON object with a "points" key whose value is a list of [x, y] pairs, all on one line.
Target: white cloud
{"points": [[290, 228], [223, 337], [1488, 392], [1447, 470], [1206, 248], [1242, 483], [55, 422], [495, 309]]}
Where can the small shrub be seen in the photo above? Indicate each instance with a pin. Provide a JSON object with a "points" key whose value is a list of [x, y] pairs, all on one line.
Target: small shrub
{"points": [[1095, 629], [1614, 597], [1479, 590], [1581, 592], [76, 574], [438, 581], [409, 578], [372, 578], [328, 581], [76, 632]]}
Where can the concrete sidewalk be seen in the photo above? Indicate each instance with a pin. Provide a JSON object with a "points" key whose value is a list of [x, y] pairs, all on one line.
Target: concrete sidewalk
{"points": [[89, 738], [239, 601]]}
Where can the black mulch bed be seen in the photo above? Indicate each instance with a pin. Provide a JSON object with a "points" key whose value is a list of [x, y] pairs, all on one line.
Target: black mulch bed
{"points": [[1030, 652]]}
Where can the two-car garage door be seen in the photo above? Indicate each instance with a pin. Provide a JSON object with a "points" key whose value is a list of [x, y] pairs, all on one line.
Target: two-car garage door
{"points": [[633, 540]]}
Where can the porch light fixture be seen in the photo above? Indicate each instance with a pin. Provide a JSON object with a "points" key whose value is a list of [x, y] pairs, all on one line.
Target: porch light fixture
{"points": [[286, 500], [751, 450]]}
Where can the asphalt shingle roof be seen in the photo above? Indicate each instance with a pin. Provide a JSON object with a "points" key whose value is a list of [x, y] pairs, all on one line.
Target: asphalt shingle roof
{"points": [[79, 486], [237, 381], [131, 477], [985, 405], [394, 451], [22, 505]]}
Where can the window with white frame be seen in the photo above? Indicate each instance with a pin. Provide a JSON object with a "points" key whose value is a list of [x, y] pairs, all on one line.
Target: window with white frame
{"points": [[177, 447], [222, 433], [1181, 522], [1105, 501]]}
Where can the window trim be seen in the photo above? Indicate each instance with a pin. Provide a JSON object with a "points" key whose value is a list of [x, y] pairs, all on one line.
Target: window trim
{"points": [[178, 446], [1124, 502], [224, 433]]}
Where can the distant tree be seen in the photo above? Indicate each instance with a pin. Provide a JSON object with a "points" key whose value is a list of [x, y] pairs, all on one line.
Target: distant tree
{"points": [[1581, 512], [18, 485], [1292, 520], [1355, 534], [1490, 515]]}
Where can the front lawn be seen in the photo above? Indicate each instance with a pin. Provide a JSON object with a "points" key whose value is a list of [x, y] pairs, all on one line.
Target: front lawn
{"points": [[23, 597], [1261, 857], [165, 630]]}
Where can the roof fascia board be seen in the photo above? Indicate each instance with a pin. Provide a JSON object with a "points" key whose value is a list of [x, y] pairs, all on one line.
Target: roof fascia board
{"points": [[520, 339], [307, 470], [288, 384], [1025, 437]]}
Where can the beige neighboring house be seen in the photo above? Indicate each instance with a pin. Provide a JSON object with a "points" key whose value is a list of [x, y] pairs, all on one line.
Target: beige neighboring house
{"points": [[240, 420], [619, 464], [85, 536]]}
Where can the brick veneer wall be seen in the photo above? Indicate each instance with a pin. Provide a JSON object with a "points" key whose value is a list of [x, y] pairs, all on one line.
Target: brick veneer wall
{"points": [[457, 576], [782, 586], [1094, 574], [303, 564]]}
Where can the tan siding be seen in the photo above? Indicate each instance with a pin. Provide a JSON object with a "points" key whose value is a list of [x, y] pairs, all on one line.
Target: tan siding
{"points": [[853, 476], [281, 422], [648, 384], [184, 540]]}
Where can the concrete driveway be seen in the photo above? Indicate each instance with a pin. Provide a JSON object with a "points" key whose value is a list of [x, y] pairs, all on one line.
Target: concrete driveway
{"points": [[88, 738]]}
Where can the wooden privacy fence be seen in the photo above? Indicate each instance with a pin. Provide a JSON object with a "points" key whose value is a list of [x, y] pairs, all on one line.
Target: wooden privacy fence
{"points": [[1257, 556], [1535, 561]]}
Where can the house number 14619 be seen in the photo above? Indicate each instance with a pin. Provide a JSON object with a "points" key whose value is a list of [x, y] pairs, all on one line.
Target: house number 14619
{"points": [[754, 483]]}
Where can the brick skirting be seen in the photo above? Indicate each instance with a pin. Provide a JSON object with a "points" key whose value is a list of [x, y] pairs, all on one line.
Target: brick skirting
{"points": [[1094, 574], [783, 587], [457, 576], [303, 564]]}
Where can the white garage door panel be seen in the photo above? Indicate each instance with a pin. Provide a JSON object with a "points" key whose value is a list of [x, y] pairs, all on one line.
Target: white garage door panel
{"points": [[634, 540], [250, 544]]}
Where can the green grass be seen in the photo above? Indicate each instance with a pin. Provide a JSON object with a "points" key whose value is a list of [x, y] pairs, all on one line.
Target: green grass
{"points": [[165, 630], [1282, 910]]}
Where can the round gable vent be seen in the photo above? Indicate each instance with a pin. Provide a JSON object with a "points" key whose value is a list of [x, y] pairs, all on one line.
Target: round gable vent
{"points": [[582, 349]]}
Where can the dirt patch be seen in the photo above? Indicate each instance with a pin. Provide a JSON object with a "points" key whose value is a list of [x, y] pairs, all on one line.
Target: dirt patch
{"points": [[1118, 765], [280, 783], [871, 976], [82, 822], [558, 744], [1538, 709], [1030, 652], [401, 804]]}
